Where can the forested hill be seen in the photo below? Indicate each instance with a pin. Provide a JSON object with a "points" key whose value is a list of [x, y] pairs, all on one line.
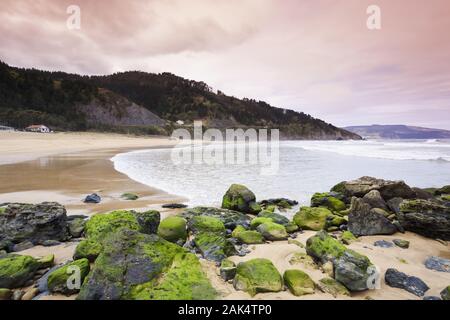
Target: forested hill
{"points": [[140, 102]]}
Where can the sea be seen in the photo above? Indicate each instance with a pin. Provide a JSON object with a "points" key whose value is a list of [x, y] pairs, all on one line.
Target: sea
{"points": [[302, 168]]}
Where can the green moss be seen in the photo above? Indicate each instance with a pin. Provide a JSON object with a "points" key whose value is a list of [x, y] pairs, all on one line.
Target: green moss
{"points": [[173, 229], [227, 269], [213, 246], [47, 261], [2, 210], [259, 220], [237, 230], [184, 280], [298, 282], [256, 276], [58, 280], [16, 270], [270, 208], [129, 196], [328, 201], [273, 231], [88, 249], [331, 286], [312, 218], [206, 224], [291, 227], [324, 247], [276, 217], [339, 188], [100, 225], [347, 237], [240, 198], [250, 237]]}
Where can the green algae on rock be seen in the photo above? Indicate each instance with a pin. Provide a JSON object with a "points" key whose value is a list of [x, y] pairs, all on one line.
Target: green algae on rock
{"points": [[173, 229], [257, 276], [276, 217], [347, 237], [240, 198], [328, 200], [129, 196], [259, 220], [298, 282], [59, 281], [199, 224], [214, 246], [312, 218], [88, 249], [17, 270], [273, 231], [100, 225], [250, 237]]}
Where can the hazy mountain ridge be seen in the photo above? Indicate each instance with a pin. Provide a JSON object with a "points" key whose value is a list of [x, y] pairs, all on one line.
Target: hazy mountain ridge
{"points": [[140, 100], [398, 132]]}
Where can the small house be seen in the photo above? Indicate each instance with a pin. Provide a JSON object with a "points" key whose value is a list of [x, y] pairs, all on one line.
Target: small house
{"points": [[38, 128]]}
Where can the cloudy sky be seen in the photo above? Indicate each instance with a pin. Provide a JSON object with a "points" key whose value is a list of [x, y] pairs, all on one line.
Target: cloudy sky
{"points": [[313, 56]]}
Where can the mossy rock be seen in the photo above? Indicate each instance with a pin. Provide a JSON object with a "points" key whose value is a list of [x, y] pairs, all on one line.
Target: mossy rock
{"points": [[16, 270], [129, 196], [324, 248], [328, 201], [148, 221], [312, 218], [331, 286], [445, 294], [173, 229], [100, 225], [185, 280], [257, 276], [240, 198], [250, 237], [214, 246], [298, 282], [258, 221], [47, 261], [291, 227], [5, 294], [335, 221], [2, 210], [88, 249], [227, 269], [206, 224], [273, 231], [276, 217], [237, 230], [347, 237], [230, 218], [58, 281]]}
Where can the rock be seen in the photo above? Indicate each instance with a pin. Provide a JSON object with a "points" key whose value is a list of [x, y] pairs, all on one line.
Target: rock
{"points": [[50, 243], [258, 221], [214, 246], [173, 229], [281, 203], [331, 286], [148, 221], [303, 259], [312, 218], [237, 230], [129, 196], [16, 271], [427, 298], [22, 246], [227, 270], [394, 204], [41, 284], [347, 237], [328, 269], [199, 224], [59, 281], [328, 200], [445, 294], [324, 248], [383, 244], [47, 261], [250, 237], [426, 218], [276, 217], [422, 194], [88, 249], [388, 189], [404, 244], [137, 266], [30, 294], [240, 198], [273, 231], [230, 218], [375, 200], [353, 271], [76, 227], [298, 282], [292, 227], [174, 206], [100, 225], [17, 295], [5, 294], [257, 276], [93, 198], [438, 264], [33, 223], [397, 279], [364, 222]]}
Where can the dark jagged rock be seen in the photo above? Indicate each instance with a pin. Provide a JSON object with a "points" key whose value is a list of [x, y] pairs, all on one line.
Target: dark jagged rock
{"points": [[362, 221], [394, 204], [353, 270], [438, 264], [34, 223], [422, 194], [174, 206], [93, 198], [414, 285], [282, 203], [426, 218], [76, 226], [375, 200], [148, 221], [240, 198], [231, 219]]}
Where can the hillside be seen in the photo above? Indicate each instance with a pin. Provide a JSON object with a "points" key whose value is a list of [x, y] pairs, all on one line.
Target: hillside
{"points": [[398, 132], [140, 102]]}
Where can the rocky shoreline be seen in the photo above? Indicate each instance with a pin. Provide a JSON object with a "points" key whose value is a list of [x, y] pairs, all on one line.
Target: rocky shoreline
{"points": [[134, 255]]}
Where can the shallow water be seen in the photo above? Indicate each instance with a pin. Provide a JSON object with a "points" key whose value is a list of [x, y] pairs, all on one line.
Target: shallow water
{"points": [[305, 167]]}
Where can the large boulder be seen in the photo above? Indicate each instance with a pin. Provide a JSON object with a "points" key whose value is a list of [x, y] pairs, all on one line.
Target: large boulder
{"points": [[312, 218], [214, 246], [148, 221], [363, 221], [397, 279], [426, 218], [257, 276], [88, 249], [99, 226], [329, 200], [240, 198], [173, 229], [58, 281], [34, 223], [298, 282], [375, 200], [388, 189], [273, 231], [137, 266], [16, 270], [230, 218], [324, 248], [199, 224]]}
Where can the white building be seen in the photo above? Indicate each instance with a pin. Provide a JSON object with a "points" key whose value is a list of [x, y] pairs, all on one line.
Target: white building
{"points": [[38, 128]]}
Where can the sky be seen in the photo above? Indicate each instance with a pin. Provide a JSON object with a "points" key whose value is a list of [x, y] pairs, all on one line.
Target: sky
{"points": [[317, 56]]}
